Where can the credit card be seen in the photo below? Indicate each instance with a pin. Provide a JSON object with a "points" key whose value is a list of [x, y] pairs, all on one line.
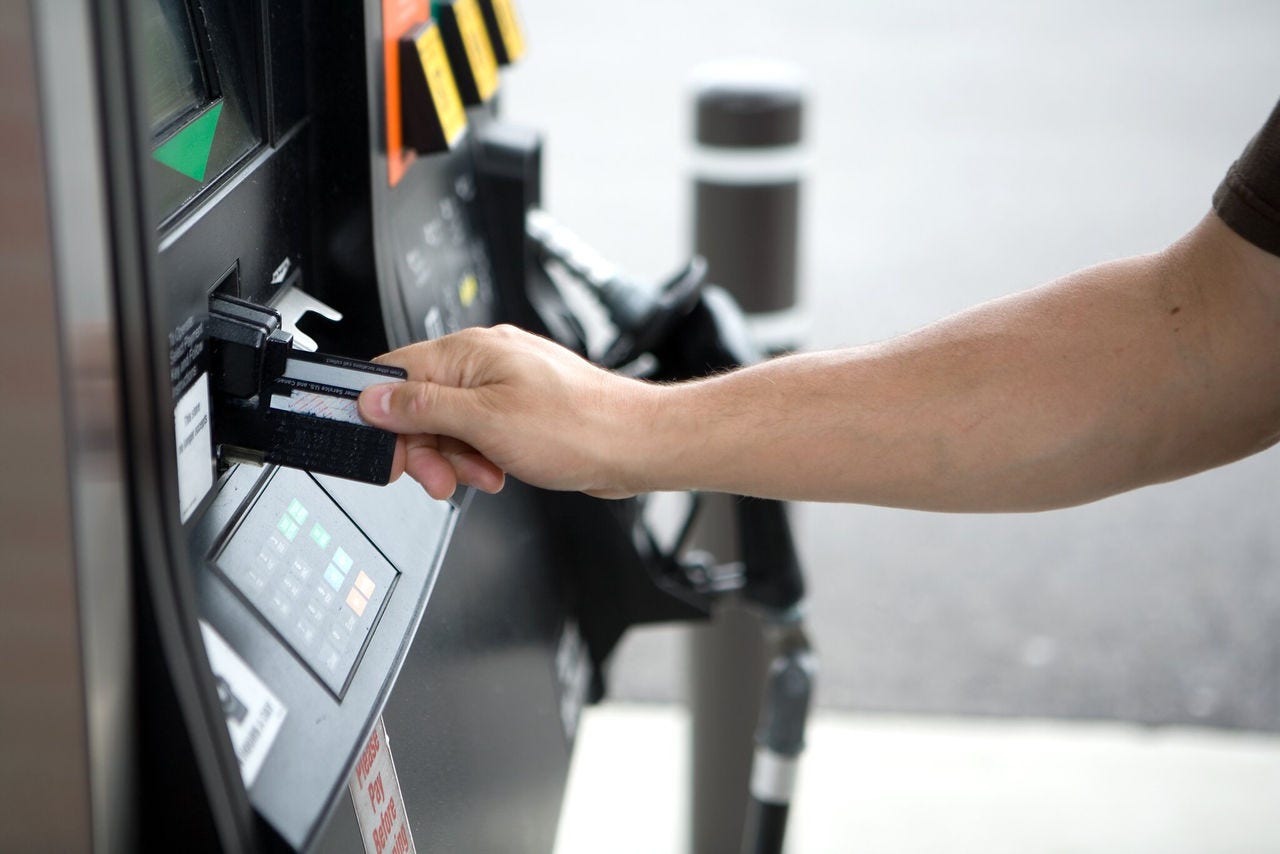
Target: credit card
{"points": [[307, 418], [327, 386]]}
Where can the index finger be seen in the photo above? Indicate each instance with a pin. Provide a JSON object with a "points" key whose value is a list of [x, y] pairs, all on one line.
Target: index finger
{"points": [[437, 360]]}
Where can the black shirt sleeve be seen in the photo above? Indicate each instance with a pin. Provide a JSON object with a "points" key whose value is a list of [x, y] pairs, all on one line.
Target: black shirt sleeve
{"points": [[1248, 199]]}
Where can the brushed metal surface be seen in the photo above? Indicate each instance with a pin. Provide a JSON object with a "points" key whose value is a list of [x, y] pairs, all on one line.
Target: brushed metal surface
{"points": [[66, 617]]}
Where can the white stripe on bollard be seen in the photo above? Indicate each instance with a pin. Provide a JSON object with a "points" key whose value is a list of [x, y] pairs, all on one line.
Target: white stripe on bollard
{"points": [[773, 776], [746, 166]]}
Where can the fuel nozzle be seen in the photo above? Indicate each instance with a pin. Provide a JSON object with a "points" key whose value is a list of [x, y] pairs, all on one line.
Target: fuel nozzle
{"points": [[642, 313]]}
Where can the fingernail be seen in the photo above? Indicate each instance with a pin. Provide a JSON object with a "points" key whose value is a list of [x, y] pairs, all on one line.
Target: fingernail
{"points": [[380, 399]]}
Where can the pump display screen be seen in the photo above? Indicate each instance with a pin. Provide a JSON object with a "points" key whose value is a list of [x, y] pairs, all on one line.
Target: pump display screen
{"points": [[203, 93], [176, 85]]}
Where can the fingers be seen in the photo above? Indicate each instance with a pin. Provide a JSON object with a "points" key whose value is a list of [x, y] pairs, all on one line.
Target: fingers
{"points": [[440, 464], [470, 466], [398, 460], [406, 357], [472, 357], [450, 405], [448, 360], [429, 468], [418, 407]]}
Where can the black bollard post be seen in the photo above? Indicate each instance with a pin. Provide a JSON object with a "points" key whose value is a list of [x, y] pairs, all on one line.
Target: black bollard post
{"points": [[747, 173]]}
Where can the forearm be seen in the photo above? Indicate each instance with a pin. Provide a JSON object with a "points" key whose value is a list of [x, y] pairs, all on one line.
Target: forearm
{"points": [[1126, 374]]}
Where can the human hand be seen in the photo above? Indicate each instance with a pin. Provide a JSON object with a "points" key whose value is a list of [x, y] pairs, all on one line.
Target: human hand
{"points": [[483, 402]]}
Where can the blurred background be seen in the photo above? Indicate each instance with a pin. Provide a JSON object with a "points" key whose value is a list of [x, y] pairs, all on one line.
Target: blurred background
{"points": [[958, 152]]}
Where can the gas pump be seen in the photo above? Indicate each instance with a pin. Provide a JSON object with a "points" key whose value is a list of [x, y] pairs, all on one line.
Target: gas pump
{"points": [[244, 203]]}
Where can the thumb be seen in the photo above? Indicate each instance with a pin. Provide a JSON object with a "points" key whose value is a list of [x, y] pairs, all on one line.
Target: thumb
{"points": [[418, 407]]}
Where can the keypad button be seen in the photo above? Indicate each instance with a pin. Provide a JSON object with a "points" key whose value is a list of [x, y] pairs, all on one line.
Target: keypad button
{"points": [[282, 604], [334, 577], [288, 527], [306, 632], [315, 611], [267, 568], [302, 570], [297, 511], [365, 585], [291, 586], [320, 535], [337, 635]]}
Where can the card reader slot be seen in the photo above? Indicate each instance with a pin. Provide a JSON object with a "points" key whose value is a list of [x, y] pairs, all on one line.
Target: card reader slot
{"points": [[273, 403]]}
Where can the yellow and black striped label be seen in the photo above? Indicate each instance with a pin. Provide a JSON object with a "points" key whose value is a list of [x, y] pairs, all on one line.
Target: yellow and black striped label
{"points": [[475, 41], [509, 26], [440, 82]]}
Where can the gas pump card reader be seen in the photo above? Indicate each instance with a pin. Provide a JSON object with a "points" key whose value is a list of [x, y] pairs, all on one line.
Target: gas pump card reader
{"points": [[274, 403]]}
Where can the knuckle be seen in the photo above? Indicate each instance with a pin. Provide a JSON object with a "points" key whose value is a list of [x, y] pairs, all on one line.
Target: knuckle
{"points": [[505, 332], [468, 341], [419, 399]]}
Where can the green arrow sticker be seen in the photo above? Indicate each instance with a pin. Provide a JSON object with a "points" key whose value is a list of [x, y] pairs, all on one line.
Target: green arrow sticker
{"points": [[187, 151]]}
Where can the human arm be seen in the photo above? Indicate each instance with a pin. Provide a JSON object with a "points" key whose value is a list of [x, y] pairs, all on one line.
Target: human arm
{"points": [[1129, 373], [1121, 375]]}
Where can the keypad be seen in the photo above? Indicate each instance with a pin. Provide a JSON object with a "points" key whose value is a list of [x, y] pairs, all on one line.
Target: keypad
{"points": [[321, 592]]}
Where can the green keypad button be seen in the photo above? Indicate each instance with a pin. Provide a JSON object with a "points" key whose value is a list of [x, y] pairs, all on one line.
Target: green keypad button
{"points": [[297, 511], [287, 526], [320, 535], [343, 560]]}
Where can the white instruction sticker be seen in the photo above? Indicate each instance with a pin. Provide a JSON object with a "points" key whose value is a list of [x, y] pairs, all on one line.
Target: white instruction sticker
{"points": [[254, 714], [194, 435], [375, 792]]}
